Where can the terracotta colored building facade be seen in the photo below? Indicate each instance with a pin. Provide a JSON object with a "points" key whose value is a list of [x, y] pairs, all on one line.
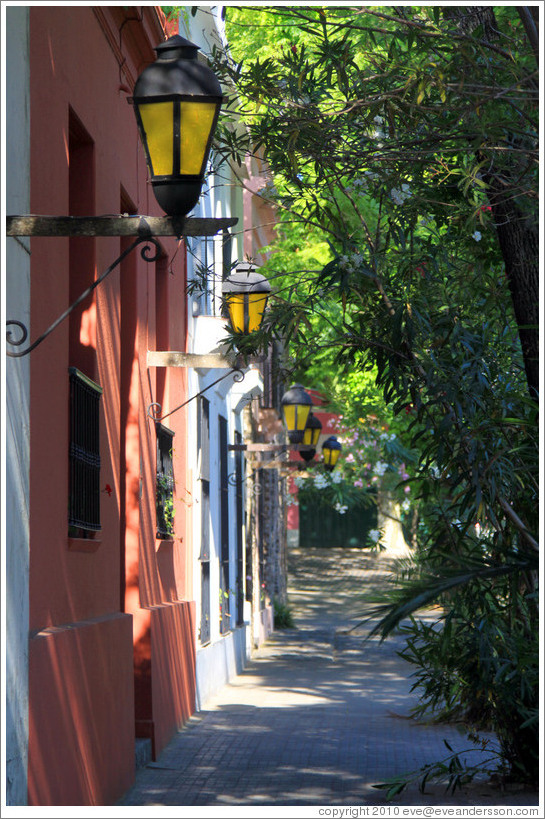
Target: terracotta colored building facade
{"points": [[111, 651], [121, 531]]}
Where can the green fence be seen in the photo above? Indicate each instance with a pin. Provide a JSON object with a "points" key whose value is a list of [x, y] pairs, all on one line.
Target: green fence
{"points": [[322, 526]]}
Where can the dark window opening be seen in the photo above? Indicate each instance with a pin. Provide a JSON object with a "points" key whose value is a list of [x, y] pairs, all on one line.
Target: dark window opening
{"points": [[239, 480], [203, 447], [84, 456], [164, 498], [204, 632], [225, 608], [261, 537]]}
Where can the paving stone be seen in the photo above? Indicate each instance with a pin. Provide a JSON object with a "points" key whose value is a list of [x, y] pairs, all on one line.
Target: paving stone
{"points": [[318, 717]]}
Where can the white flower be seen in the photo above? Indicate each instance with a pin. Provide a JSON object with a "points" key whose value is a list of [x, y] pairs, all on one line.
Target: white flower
{"points": [[374, 535], [380, 468], [399, 196], [336, 477], [477, 235], [320, 481], [340, 508], [378, 120], [406, 505]]}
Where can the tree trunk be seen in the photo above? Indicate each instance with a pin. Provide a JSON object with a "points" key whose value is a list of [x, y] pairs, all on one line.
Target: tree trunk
{"points": [[519, 243], [392, 539], [517, 230]]}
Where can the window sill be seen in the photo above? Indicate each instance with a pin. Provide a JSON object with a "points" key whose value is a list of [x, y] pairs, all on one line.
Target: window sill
{"points": [[83, 544], [163, 542]]}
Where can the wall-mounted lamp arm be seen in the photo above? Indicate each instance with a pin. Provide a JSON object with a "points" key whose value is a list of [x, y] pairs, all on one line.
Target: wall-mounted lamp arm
{"points": [[56, 226], [145, 253], [236, 372]]}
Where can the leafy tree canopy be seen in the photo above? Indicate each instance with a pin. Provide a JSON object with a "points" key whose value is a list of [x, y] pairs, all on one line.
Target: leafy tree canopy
{"points": [[402, 149]]}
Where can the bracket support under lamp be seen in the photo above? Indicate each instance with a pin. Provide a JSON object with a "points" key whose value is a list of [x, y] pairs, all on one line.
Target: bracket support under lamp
{"points": [[144, 228]]}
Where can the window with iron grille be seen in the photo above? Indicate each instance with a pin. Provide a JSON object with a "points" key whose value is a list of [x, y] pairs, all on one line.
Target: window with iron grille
{"points": [[164, 495], [84, 456]]}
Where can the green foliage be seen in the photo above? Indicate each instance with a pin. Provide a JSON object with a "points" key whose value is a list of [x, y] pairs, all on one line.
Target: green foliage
{"points": [[452, 771], [164, 504], [283, 616], [400, 142]]}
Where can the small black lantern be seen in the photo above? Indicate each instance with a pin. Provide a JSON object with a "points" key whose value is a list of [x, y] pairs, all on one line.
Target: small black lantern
{"points": [[331, 449], [296, 404], [177, 101], [246, 293], [311, 436]]}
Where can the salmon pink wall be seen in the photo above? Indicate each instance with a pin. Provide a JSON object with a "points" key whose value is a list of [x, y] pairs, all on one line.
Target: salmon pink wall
{"points": [[79, 755], [107, 613]]}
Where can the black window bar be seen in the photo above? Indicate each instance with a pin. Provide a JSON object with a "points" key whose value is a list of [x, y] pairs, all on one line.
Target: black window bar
{"points": [[239, 505], [84, 455], [164, 495], [225, 607]]}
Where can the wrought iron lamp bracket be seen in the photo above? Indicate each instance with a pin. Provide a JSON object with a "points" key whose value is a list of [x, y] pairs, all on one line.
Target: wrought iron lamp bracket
{"points": [[144, 228], [17, 342], [232, 480], [155, 414]]}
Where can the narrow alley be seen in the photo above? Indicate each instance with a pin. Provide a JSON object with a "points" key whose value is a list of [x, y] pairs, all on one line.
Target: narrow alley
{"points": [[318, 717]]}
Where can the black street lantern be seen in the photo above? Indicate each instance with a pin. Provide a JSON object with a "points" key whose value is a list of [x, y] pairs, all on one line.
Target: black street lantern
{"points": [[296, 404], [311, 436], [331, 449], [246, 293], [177, 101]]}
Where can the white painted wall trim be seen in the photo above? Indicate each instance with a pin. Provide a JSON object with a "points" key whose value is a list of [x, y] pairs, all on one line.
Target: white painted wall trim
{"points": [[15, 27]]}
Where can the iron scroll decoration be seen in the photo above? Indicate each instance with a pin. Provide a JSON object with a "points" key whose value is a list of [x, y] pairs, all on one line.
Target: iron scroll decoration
{"points": [[145, 253], [155, 409], [257, 489]]}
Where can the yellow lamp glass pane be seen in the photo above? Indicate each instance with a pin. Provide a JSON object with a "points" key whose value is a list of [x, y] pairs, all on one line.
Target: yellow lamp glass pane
{"points": [[196, 120], [256, 308], [157, 119], [334, 456], [289, 416], [295, 416], [303, 411], [236, 312], [307, 437], [331, 456]]}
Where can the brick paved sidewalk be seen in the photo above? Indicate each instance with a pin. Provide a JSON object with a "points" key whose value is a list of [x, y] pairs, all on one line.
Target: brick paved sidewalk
{"points": [[317, 718]]}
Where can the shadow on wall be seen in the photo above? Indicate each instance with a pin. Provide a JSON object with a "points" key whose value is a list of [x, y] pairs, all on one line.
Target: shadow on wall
{"points": [[81, 720]]}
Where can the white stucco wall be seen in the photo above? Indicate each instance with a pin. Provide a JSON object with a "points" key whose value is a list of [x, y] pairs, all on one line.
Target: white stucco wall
{"points": [[225, 655], [16, 539]]}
